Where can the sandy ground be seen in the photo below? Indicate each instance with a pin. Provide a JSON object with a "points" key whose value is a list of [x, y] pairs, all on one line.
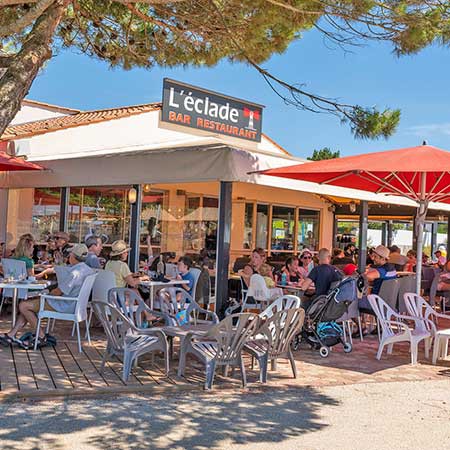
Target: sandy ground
{"points": [[400, 415]]}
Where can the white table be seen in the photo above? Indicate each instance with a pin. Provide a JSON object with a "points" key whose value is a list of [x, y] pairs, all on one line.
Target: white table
{"points": [[161, 284], [15, 286]]}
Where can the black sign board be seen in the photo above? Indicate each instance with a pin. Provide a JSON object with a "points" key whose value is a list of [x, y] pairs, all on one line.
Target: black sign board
{"points": [[194, 107]]}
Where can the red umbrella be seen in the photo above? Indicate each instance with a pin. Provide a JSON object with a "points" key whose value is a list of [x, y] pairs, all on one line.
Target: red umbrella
{"points": [[421, 174], [8, 163]]}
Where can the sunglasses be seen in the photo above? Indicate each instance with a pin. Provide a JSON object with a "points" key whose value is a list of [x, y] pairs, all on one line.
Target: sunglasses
{"points": [[306, 257]]}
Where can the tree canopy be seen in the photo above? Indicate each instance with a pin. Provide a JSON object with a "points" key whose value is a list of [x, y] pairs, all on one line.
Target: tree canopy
{"points": [[324, 153], [166, 33]]}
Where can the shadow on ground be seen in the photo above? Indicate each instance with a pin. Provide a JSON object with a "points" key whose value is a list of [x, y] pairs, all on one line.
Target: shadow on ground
{"points": [[205, 420]]}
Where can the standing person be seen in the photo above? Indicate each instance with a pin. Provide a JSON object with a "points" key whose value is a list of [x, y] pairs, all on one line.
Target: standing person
{"points": [[95, 246], [322, 275], [62, 248], [350, 251], [70, 286]]}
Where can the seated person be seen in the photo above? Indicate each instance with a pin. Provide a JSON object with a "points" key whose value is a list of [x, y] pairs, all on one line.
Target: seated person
{"points": [[322, 276], [410, 266], [95, 246], [381, 270], [24, 252], [265, 271], [340, 259], [69, 287], [306, 263], [440, 259], [292, 270], [396, 258], [246, 273], [118, 265], [258, 259], [184, 273]]}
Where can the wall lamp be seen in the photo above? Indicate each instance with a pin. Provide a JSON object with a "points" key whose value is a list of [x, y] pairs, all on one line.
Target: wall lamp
{"points": [[352, 206], [132, 196]]}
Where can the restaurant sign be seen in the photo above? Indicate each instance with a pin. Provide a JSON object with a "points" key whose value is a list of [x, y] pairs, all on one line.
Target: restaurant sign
{"points": [[194, 107]]}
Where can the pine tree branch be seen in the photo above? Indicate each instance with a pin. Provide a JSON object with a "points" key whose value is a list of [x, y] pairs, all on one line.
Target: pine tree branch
{"points": [[27, 19], [25, 65]]}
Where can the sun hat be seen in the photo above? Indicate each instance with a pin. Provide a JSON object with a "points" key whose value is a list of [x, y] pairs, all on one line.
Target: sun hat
{"points": [[62, 235], [382, 251], [304, 251], [119, 247], [79, 250]]}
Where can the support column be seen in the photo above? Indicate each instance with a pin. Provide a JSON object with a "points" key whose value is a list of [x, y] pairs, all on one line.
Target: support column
{"points": [[3, 217], [414, 242], [448, 236], [390, 234], [384, 234], [64, 209], [434, 230], [223, 245], [363, 225], [335, 230], [135, 227]]}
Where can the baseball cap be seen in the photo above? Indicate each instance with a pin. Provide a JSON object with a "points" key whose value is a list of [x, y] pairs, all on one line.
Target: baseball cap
{"points": [[349, 269], [79, 250]]}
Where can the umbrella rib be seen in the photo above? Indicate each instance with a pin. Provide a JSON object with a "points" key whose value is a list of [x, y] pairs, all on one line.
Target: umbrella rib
{"points": [[338, 177], [379, 190], [381, 182], [436, 183], [404, 184]]}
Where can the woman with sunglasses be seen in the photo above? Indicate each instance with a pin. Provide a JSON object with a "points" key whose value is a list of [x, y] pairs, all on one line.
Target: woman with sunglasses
{"points": [[306, 263]]}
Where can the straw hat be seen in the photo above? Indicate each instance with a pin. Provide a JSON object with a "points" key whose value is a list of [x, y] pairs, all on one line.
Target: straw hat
{"points": [[119, 247], [382, 251]]}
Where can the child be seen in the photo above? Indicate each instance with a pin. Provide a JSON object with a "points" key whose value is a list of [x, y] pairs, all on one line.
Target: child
{"points": [[265, 272]]}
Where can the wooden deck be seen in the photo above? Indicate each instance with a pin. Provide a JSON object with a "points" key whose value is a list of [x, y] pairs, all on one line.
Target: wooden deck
{"points": [[52, 372]]}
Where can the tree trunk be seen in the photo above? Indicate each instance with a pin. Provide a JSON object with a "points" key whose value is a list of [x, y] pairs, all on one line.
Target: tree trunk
{"points": [[23, 67]]}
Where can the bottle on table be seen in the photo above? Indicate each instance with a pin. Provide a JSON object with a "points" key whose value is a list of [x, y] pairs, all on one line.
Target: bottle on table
{"points": [[283, 279]]}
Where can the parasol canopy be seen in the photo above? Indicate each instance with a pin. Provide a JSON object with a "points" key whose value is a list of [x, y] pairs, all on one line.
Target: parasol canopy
{"points": [[10, 163], [421, 174]]}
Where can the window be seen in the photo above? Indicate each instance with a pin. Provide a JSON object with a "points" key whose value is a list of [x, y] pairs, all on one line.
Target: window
{"points": [[74, 216], [46, 212], [200, 224], [248, 226], [105, 212], [262, 224], [283, 221], [156, 220], [308, 229]]}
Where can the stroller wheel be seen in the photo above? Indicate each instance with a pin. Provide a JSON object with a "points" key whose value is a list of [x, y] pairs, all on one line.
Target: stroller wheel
{"points": [[347, 347], [324, 351]]}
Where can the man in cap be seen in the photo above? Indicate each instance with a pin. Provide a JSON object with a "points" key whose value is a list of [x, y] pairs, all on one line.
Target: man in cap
{"points": [[70, 281], [381, 270], [396, 257]]}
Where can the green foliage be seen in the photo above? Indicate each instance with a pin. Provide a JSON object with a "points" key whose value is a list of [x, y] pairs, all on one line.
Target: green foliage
{"points": [[369, 123], [324, 153]]}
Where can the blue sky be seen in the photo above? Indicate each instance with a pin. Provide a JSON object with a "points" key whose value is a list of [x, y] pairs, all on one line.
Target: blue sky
{"points": [[371, 75]]}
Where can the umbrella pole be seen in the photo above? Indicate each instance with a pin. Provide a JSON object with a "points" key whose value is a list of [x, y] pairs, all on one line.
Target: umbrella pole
{"points": [[420, 221]]}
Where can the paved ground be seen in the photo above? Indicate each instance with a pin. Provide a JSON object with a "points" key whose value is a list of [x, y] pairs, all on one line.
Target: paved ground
{"points": [[400, 415]]}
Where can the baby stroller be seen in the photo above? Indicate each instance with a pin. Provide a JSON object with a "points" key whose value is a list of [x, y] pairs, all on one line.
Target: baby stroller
{"points": [[321, 330]]}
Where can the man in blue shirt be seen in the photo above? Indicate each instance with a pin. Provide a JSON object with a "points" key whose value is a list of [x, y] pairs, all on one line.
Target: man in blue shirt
{"points": [[380, 271], [184, 273], [322, 276]]}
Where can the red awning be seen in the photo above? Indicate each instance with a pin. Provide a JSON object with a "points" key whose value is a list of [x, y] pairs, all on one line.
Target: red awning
{"points": [[8, 163], [395, 172]]}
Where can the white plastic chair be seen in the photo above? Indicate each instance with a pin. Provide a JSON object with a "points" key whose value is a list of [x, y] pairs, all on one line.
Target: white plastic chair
{"points": [[394, 329], [281, 303], [105, 281], [406, 284], [418, 307], [260, 293], [80, 309]]}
